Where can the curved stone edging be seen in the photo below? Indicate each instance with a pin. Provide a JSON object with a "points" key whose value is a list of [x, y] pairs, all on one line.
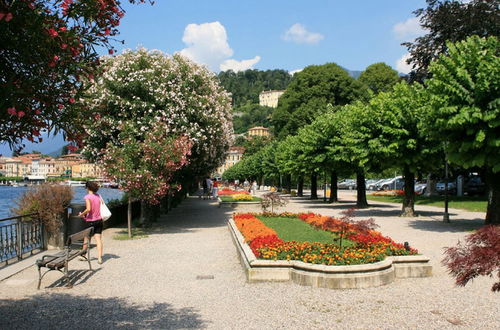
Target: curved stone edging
{"points": [[323, 276], [235, 204]]}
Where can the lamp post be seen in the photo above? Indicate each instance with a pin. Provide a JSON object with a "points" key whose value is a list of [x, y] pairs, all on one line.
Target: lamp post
{"points": [[446, 216]]}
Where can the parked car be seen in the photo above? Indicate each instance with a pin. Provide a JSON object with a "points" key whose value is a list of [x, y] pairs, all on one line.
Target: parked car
{"points": [[452, 187], [396, 183], [373, 185], [347, 184], [370, 183], [474, 186], [420, 188]]}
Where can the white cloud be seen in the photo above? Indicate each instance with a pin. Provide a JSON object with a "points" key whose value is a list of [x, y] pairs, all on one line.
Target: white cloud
{"points": [[236, 66], [408, 29], [401, 64], [294, 71], [207, 44], [298, 33]]}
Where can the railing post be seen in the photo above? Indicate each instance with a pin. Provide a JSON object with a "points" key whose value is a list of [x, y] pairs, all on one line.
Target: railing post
{"points": [[19, 237]]}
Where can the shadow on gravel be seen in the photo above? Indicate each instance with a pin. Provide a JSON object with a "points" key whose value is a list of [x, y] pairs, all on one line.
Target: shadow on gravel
{"points": [[65, 311], [455, 226], [396, 213], [77, 277], [193, 213]]}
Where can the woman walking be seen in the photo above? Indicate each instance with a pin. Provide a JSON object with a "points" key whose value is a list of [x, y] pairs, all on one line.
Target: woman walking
{"points": [[92, 216]]}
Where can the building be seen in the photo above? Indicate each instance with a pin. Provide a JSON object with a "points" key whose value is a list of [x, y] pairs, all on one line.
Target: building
{"points": [[258, 131], [270, 98], [233, 156], [3, 169], [86, 170]]}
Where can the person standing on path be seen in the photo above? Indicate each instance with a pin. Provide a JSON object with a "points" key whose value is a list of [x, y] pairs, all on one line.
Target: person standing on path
{"points": [[254, 188], [92, 216], [215, 188], [209, 187]]}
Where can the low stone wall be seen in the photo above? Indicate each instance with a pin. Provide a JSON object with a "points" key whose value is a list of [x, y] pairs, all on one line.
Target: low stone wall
{"points": [[323, 276], [236, 204]]}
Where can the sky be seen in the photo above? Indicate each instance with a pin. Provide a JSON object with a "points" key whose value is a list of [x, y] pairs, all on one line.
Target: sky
{"points": [[271, 34]]}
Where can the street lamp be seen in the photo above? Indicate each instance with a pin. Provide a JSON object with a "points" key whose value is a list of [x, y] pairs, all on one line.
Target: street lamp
{"points": [[446, 216]]}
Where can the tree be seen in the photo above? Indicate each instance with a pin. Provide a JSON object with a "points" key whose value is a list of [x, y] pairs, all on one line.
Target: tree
{"points": [[48, 48], [464, 110], [399, 139], [310, 91], [251, 115], [450, 20], [379, 77], [148, 87], [245, 86]]}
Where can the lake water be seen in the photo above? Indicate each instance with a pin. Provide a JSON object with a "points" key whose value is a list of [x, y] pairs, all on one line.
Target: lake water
{"points": [[9, 196]]}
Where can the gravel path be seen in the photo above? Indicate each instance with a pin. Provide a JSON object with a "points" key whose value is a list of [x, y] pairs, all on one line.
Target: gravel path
{"points": [[152, 282]]}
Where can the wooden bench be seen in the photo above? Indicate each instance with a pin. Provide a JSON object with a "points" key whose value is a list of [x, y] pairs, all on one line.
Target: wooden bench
{"points": [[59, 261]]}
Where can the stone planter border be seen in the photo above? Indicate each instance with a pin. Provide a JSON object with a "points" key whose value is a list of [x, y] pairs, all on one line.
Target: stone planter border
{"points": [[323, 276], [235, 204]]}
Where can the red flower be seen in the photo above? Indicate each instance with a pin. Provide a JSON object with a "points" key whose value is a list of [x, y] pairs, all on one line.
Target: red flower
{"points": [[2, 15], [53, 33], [110, 51], [71, 100], [60, 106], [12, 111], [8, 17], [62, 29], [20, 114], [64, 46]]}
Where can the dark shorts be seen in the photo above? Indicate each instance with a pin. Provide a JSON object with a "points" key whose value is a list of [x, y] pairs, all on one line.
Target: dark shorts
{"points": [[97, 225]]}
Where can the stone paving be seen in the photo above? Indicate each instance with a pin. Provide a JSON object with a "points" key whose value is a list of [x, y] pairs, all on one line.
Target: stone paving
{"points": [[186, 274]]}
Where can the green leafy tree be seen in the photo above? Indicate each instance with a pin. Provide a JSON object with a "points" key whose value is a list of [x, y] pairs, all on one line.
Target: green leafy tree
{"points": [[450, 20], [379, 77], [251, 115], [48, 49], [310, 91], [465, 110], [245, 86]]}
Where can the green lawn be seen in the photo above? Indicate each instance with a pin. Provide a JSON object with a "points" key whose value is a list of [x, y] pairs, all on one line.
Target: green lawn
{"points": [[468, 203], [294, 229], [230, 199]]}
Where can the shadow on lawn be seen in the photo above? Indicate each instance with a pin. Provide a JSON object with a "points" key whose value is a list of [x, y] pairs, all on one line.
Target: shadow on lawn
{"points": [[66, 311]]}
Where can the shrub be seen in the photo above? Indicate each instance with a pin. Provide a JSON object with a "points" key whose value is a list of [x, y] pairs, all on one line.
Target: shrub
{"points": [[242, 197], [272, 200], [49, 201]]}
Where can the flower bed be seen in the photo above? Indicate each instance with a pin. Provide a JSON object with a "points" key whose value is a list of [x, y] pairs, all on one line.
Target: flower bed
{"points": [[370, 246], [389, 193], [239, 198], [228, 192]]}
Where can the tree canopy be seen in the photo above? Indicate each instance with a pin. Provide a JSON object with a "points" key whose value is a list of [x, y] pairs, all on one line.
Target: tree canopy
{"points": [[450, 21], [379, 77], [310, 91], [48, 48]]}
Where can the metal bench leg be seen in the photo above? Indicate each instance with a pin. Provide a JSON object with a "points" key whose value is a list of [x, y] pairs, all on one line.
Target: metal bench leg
{"points": [[66, 275], [39, 278]]}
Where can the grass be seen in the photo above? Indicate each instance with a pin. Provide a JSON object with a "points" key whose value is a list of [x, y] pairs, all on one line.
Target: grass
{"points": [[294, 229], [230, 199], [137, 233], [468, 203]]}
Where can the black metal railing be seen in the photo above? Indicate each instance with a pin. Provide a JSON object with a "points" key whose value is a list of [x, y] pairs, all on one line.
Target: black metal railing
{"points": [[20, 236]]}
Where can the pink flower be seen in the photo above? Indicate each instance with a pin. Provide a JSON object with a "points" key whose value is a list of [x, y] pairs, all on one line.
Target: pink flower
{"points": [[20, 114], [110, 51], [8, 17], [71, 100], [2, 15], [12, 111], [60, 106], [53, 33], [62, 29]]}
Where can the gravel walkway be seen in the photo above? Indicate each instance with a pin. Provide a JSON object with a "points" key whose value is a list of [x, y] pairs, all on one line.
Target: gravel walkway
{"points": [[152, 282]]}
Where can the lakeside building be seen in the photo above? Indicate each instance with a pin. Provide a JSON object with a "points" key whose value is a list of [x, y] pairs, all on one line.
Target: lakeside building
{"points": [[41, 168], [258, 131], [270, 98], [233, 156]]}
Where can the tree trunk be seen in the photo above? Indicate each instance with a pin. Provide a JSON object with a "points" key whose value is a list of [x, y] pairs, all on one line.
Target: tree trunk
{"points": [[129, 217], [288, 182], [361, 201], [409, 193], [333, 187], [143, 213], [493, 211], [300, 186], [430, 189], [314, 185]]}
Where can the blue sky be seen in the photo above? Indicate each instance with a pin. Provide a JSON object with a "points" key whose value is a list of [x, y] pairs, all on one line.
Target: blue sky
{"points": [[272, 34]]}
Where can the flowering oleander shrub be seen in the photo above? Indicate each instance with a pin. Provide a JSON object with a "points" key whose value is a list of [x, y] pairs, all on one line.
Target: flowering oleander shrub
{"points": [[142, 89], [370, 246]]}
